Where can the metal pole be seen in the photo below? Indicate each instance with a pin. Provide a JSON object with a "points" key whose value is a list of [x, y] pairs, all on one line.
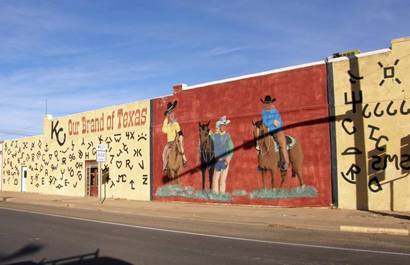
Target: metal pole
{"points": [[99, 183]]}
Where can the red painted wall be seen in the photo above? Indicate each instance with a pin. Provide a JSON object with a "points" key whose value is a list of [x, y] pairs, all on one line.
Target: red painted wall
{"points": [[301, 99]]}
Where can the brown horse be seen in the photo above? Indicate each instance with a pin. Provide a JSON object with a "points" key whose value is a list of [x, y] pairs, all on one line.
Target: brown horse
{"points": [[175, 159], [268, 156], [206, 149]]}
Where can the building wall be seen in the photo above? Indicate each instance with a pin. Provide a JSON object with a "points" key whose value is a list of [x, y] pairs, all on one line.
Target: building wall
{"points": [[1, 165], [365, 151], [22, 153], [56, 160], [372, 135], [302, 101]]}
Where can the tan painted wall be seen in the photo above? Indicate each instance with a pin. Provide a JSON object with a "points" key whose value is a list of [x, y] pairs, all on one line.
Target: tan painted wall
{"points": [[383, 115], [1, 165], [17, 154], [57, 159]]}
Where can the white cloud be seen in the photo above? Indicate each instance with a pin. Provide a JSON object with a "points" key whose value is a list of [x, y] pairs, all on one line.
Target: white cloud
{"points": [[224, 50]]}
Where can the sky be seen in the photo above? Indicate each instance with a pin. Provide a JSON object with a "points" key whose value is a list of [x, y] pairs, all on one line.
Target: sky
{"points": [[84, 55]]}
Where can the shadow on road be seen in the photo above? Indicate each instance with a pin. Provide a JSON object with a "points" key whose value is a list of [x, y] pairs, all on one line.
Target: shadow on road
{"points": [[84, 259], [29, 249]]}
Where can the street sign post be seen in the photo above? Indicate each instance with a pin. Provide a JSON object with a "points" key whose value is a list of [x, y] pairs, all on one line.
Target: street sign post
{"points": [[101, 153], [101, 157]]}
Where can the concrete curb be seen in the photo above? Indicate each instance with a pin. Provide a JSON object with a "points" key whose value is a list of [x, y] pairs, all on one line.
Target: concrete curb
{"points": [[374, 230], [335, 227]]}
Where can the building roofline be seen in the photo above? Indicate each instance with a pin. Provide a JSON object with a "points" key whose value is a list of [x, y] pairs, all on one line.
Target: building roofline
{"points": [[283, 69], [344, 58], [100, 109], [273, 71]]}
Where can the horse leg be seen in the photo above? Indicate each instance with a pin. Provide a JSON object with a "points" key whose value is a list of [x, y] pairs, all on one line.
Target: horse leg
{"points": [[272, 175], [300, 178], [297, 160], [298, 173], [211, 171], [203, 173], [174, 180], [263, 178], [282, 178], [173, 175], [177, 175]]}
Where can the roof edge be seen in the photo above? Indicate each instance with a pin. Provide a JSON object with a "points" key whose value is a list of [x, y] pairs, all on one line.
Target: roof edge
{"points": [[273, 71]]}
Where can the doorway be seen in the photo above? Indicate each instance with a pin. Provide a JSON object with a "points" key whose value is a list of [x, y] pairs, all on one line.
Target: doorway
{"points": [[91, 173], [23, 179]]}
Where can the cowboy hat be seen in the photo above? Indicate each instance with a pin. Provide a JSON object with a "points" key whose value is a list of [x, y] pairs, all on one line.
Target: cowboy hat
{"points": [[268, 100], [170, 107], [222, 121]]}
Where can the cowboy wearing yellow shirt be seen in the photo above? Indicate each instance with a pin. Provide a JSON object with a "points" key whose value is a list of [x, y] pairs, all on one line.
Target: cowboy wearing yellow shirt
{"points": [[171, 128]]}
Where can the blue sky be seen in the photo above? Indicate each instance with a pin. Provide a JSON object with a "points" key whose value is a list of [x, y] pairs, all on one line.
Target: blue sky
{"points": [[83, 55]]}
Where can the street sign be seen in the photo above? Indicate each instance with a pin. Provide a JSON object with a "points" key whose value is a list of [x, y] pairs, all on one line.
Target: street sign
{"points": [[101, 153], [101, 156], [101, 147]]}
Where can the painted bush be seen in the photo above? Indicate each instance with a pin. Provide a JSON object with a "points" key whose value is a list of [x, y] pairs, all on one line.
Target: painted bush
{"points": [[301, 99], [372, 129]]}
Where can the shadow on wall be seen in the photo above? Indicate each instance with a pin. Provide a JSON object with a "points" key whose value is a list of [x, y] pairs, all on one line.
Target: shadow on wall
{"points": [[173, 189], [251, 143], [368, 172], [83, 259], [359, 144]]}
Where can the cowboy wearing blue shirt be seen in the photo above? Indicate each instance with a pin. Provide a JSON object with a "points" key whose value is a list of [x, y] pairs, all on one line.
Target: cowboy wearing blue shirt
{"points": [[273, 121]]}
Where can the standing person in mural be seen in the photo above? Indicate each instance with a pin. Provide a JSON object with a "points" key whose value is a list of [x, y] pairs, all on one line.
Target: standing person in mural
{"points": [[273, 121], [223, 152], [171, 128]]}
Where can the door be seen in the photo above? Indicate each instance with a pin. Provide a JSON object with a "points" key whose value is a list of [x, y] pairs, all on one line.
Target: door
{"points": [[92, 178], [24, 179]]}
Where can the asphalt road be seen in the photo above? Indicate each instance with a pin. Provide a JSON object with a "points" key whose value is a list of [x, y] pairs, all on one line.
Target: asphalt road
{"points": [[29, 238]]}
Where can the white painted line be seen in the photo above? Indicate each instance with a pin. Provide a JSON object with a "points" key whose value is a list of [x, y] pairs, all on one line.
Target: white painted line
{"points": [[211, 235], [374, 230], [364, 54]]}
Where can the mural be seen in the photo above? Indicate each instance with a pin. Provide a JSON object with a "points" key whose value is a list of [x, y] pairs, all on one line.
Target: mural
{"points": [[265, 138], [228, 142], [57, 162], [372, 130]]}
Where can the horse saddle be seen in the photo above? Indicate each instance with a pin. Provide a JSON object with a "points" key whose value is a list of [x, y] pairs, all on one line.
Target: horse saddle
{"points": [[290, 143]]}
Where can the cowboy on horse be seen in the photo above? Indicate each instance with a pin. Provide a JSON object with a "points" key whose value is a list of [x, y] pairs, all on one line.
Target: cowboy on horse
{"points": [[273, 121], [171, 128]]}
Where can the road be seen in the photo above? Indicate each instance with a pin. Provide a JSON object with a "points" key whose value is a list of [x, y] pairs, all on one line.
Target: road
{"points": [[30, 234]]}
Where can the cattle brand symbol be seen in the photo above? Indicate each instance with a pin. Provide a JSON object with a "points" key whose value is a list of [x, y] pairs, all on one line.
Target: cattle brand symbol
{"points": [[57, 133], [389, 72]]}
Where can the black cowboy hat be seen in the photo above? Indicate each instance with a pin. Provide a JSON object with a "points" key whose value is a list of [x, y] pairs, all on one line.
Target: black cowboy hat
{"points": [[170, 107], [268, 99]]}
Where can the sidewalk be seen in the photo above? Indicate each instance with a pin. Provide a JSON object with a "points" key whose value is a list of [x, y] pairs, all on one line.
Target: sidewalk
{"points": [[326, 219]]}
